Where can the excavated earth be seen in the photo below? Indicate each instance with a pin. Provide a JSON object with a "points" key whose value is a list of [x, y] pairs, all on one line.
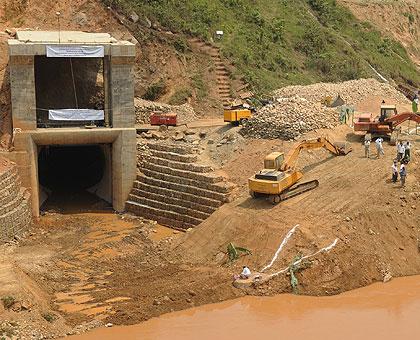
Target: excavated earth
{"points": [[75, 271], [87, 269]]}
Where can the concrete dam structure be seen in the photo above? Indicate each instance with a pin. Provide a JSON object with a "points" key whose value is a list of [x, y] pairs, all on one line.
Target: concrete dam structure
{"points": [[72, 100]]}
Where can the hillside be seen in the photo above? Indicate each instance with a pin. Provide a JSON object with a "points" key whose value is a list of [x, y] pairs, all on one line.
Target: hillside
{"points": [[276, 43], [398, 19]]}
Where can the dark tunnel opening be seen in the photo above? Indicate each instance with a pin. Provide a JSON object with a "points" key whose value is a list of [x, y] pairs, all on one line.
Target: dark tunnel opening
{"points": [[67, 172]]}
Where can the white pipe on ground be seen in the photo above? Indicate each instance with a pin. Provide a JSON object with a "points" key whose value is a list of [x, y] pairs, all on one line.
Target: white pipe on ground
{"points": [[283, 243]]}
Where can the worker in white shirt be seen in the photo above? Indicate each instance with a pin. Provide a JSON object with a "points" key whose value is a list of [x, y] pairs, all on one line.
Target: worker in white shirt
{"points": [[379, 147], [367, 148], [246, 273], [400, 151], [403, 173], [395, 171]]}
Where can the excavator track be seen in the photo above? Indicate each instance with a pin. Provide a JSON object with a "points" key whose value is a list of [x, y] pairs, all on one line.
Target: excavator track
{"points": [[299, 189]]}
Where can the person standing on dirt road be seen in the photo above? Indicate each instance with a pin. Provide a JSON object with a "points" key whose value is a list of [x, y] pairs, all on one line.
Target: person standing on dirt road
{"points": [[394, 171], [415, 104], [407, 150], [379, 147], [400, 151], [403, 174], [367, 148]]}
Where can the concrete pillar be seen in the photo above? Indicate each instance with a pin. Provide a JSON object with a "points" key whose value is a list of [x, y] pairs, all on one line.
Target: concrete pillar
{"points": [[107, 98], [121, 91], [124, 169], [22, 85]]}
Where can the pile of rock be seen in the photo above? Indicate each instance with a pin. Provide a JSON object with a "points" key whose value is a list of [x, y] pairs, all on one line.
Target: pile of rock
{"points": [[185, 113], [288, 118], [352, 91]]}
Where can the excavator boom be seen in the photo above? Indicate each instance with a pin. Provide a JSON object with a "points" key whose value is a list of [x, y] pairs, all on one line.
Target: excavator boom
{"points": [[402, 117], [316, 143]]}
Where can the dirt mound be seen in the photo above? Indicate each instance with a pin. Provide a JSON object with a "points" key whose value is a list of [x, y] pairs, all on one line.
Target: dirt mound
{"points": [[352, 91], [144, 108], [288, 118]]}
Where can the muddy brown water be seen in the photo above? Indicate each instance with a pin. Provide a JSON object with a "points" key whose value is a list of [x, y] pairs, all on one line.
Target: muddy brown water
{"points": [[380, 311]]}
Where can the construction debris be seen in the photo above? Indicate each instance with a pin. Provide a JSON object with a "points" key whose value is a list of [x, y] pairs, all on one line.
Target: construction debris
{"points": [[185, 113], [352, 91]]}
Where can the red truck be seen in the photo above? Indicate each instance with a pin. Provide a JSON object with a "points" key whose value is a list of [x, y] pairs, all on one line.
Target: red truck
{"points": [[168, 119]]}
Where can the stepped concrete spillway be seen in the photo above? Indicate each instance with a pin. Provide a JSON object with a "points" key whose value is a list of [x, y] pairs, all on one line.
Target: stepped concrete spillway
{"points": [[174, 189]]}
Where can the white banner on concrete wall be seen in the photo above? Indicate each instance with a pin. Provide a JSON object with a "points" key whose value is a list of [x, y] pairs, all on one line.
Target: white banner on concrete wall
{"points": [[75, 51], [76, 114]]}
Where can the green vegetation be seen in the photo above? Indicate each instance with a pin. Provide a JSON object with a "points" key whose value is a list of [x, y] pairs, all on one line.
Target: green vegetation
{"points": [[49, 317], [155, 90], [199, 86], [295, 267], [234, 252], [274, 43], [180, 96], [8, 301]]}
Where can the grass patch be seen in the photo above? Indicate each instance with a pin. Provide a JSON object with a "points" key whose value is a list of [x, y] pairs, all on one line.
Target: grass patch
{"points": [[274, 43], [180, 96], [155, 91], [199, 86]]}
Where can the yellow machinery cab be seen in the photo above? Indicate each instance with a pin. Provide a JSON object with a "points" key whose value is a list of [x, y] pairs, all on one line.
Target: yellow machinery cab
{"points": [[271, 180], [237, 116]]}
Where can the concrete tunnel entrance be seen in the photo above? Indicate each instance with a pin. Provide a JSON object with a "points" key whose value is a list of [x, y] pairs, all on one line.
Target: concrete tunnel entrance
{"points": [[75, 177]]}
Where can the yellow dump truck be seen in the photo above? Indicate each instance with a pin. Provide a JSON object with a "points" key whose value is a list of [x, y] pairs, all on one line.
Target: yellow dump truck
{"points": [[237, 116]]}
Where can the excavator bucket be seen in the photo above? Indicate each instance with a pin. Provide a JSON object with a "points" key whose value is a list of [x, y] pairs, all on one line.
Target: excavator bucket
{"points": [[344, 147]]}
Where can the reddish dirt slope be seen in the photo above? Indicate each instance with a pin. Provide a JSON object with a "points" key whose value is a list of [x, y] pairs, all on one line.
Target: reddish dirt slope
{"points": [[399, 19]]}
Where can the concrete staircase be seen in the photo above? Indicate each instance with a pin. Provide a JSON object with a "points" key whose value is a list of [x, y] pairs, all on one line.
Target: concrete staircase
{"points": [[15, 211], [174, 190]]}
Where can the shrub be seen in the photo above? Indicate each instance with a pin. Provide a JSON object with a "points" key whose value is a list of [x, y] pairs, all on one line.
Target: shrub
{"points": [[49, 317], [180, 96], [8, 301], [155, 91], [181, 45]]}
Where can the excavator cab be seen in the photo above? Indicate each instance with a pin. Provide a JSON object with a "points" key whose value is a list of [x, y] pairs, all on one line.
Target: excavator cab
{"points": [[387, 111], [274, 160]]}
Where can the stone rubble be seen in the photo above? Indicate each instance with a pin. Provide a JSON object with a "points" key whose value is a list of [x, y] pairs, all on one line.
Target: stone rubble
{"points": [[352, 91], [288, 118], [298, 109], [143, 108]]}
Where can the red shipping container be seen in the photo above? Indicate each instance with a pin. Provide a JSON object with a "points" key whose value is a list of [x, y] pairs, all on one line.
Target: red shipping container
{"points": [[169, 119]]}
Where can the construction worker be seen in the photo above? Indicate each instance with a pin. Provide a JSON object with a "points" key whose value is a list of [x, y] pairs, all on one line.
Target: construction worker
{"points": [[379, 147], [415, 104], [407, 149], [400, 151], [403, 174], [394, 171], [367, 148], [246, 273]]}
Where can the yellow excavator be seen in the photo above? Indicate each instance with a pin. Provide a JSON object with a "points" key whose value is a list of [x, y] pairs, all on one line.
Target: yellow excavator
{"points": [[278, 178]]}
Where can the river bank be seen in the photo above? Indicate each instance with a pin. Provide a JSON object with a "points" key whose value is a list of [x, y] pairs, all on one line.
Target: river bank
{"points": [[379, 311]]}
